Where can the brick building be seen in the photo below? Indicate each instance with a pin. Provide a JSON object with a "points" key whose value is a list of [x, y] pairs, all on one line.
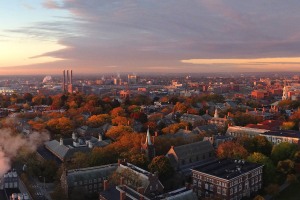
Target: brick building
{"points": [[227, 179]]}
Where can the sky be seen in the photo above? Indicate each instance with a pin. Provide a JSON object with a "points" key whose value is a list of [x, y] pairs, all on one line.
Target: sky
{"points": [[155, 36]]}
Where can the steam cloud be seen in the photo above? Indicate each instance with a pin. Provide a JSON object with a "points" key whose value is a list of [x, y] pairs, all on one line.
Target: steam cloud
{"points": [[11, 144]]}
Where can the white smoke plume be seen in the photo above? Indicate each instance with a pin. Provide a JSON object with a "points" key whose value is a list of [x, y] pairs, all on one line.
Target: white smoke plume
{"points": [[11, 144]]}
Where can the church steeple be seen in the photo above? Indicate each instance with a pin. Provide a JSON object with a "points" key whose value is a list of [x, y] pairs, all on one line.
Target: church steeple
{"points": [[216, 115], [148, 146], [148, 138]]}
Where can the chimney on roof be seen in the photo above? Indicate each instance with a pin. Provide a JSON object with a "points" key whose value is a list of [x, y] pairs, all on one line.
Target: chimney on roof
{"points": [[100, 137], [105, 185], [141, 190], [61, 142], [121, 180], [206, 112], [122, 195]]}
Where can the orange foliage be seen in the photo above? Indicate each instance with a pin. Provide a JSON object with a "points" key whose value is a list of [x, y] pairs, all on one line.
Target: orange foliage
{"points": [[231, 150]]}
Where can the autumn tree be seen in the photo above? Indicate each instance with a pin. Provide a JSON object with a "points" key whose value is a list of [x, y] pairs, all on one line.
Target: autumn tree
{"points": [[232, 150], [98, 120], [118, 111], [116, 131], [173, 128], [61, 125], [162, 165], [119, 120], [180, 107]]}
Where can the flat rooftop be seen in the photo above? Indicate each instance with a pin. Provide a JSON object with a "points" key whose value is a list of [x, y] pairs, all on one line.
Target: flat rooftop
{"points": [[284, 133], [227, 168]]}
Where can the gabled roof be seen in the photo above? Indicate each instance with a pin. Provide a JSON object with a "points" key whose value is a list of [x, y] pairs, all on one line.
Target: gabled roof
{"points": [[89, 173], [187, 150]]}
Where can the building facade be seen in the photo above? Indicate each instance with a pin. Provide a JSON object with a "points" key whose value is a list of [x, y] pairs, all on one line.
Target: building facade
{"points": [[227, 179]]}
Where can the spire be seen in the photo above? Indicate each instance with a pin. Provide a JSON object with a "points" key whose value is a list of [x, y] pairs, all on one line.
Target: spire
{"points": [[216, 115], [148, 138]]}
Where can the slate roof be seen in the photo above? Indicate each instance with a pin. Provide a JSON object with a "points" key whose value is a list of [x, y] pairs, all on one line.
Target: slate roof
{"points": [[185, 151], [66, 150], [89, 173]]}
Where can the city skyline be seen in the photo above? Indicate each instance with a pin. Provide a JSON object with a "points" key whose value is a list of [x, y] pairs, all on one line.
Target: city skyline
{"points": [[47, 36]]}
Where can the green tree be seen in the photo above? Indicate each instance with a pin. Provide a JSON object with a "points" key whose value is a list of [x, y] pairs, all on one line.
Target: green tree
{"points": [[283, 151], [269, 169], [162, 165]]}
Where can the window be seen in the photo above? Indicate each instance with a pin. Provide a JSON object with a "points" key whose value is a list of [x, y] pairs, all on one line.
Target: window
{"points": [[206, 186], [224, 191], [231, 191], [240, 187], [156, 186], [218, 190], [235, 189], [199, 183], [211, 188]]}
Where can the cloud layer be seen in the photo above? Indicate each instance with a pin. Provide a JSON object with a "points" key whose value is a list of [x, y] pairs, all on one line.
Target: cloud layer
{"points": [[145, 35]]}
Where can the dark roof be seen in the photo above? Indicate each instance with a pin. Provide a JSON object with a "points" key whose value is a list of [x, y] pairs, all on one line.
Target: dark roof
{"points": [[89, 173], [111, 193], [213, 128], [227, 168], [47, 155], [193, 148], [284, 133]]}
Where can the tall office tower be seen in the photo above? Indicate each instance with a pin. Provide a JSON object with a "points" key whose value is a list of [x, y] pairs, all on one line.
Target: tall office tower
{"points": [[63, 87], [70, 85]]}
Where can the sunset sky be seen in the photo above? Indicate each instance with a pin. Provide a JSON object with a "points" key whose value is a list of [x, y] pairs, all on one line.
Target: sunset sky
{"points": [[165, 36]]}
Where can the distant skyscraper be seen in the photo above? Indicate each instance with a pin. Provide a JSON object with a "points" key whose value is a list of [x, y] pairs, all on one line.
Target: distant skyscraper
{"points": [[132, 79], [67, 85]]}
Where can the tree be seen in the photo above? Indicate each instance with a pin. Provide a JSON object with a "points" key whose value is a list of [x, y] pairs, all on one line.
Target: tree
{"points": [[288, 125], [80, 160], [61, 125], [257, 144], [116, 131], [118, 111], [283, 151], [242, 119], [98, 120], [232, 150], [119, 120], [268, 169], [162, 165], [286, 166]]}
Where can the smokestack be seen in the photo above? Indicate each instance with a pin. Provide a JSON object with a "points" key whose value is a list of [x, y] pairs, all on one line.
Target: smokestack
{"points": [[71, 77], [68, 77]]}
